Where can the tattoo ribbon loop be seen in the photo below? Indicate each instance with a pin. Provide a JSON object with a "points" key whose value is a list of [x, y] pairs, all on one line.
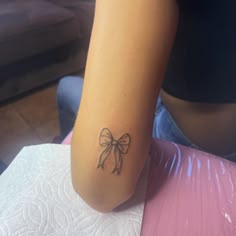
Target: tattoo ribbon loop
{"points": [[120, 147]]}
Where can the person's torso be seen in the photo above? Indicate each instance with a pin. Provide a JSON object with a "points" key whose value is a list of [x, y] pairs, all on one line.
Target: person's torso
{"points": [[200, 83]]}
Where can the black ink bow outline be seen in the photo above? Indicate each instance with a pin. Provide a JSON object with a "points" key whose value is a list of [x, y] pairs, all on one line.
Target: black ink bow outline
{"points": [[120, 146]]}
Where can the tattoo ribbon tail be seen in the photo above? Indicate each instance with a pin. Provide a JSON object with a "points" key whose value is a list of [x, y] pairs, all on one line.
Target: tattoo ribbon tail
{"points": [[116, 170], [118, 162], [100, 165]]}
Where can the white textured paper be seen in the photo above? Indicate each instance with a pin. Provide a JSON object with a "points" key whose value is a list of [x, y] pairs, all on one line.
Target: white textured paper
{"points": [[37, 198]]}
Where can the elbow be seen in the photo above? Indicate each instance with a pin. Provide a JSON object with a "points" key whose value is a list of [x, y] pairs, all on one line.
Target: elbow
{"points": [[103, 201], [108, 205]]}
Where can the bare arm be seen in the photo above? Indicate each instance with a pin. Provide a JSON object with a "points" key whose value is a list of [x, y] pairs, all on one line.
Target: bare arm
{"points": [[129, 50]]}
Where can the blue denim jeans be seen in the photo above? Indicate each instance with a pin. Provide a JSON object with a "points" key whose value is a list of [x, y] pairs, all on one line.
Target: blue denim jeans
{"points": [[164, 126], [69, 93]]}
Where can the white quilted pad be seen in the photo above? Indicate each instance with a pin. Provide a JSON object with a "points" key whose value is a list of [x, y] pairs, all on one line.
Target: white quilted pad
{"points": [[37, 198]]}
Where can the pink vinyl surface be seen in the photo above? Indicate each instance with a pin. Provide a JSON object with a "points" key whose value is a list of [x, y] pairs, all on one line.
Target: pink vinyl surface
{"points": [[189, 192], [67, 140]]}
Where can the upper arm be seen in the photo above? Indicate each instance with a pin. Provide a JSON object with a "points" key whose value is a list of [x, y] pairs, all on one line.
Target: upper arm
{"points": [[129, 50]]}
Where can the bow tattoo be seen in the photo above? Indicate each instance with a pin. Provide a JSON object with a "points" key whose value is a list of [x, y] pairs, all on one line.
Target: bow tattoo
{"points": [[120, 147]]}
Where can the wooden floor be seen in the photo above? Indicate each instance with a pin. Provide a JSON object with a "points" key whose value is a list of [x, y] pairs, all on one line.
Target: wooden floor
{"points": [[30, 120]]}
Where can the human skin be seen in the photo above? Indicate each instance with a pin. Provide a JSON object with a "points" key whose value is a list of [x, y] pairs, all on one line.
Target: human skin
{"points": [[129, 49]]}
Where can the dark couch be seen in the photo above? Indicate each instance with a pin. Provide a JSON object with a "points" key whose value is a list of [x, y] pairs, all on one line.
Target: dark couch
{"points": [[40, 41]]}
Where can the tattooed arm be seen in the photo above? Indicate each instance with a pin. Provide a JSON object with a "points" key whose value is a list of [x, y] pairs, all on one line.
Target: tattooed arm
{"points": [[129, 49]]}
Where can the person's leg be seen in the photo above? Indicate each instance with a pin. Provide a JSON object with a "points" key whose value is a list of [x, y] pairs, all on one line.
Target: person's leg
{"points": [[165, 127], [3, 166], [69, 93]]}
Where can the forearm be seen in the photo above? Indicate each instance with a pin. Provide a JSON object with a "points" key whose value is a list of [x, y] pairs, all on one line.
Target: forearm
{"points": [[129, 49]]}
